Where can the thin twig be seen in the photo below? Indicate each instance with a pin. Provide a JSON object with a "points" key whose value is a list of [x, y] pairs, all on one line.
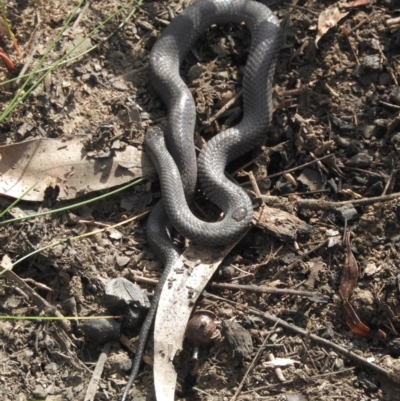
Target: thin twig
{"points": [[223, 108], [298, 259], [253, 363], [81, 14], [263, 289], [240, 287], [299, 167], [95, 380], [33, 40], [390, 105], [36, 298], [341, 350], [316, 204]]}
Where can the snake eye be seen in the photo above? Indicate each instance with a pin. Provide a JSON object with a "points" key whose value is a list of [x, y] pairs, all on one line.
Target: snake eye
{"points": [[239, 214]]}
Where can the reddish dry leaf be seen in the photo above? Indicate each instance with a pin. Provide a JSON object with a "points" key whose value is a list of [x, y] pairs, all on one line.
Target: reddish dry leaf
{"points": [[350, 272], [5, 30], [358, 3], [353, 321], [327, 20], [7, 61]]}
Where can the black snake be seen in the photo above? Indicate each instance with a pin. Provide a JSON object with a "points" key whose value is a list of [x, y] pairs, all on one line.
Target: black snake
{"points": [[177, 165]]}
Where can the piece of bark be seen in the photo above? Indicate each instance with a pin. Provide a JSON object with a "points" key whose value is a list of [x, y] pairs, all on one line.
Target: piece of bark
{"points": [[280, 224]]}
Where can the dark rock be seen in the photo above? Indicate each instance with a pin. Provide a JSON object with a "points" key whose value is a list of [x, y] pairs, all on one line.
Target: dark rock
{"points": [[347, 213], [360, 160], [360, 180], [120, 292], [396, 141], [341, 124], [375, 189], [394, 347], [125, 298], [368, 131], [367, 382], [373, 179], [353, 148], [384, 79], [342, 142], [393, 126], [238, 338], [332, 184], [226, 272], [380, 127], [101, 331], [194, 72], [312, 179], [395, 95], [284, 186]]}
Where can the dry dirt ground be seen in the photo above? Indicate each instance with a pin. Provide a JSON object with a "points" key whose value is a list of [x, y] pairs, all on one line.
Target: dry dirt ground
{"points": [[339, 99]]}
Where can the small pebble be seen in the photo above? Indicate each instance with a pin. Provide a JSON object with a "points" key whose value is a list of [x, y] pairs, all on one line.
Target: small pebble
{"points": [[360, 160], [101, 331]]}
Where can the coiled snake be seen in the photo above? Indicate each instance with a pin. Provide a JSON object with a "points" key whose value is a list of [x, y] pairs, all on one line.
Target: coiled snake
{"points": [[176, 165]]}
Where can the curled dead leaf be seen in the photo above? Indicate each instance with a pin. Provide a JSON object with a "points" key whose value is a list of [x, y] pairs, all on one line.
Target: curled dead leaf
{"points": [[327, 20], [350, 272], [353, 321]]}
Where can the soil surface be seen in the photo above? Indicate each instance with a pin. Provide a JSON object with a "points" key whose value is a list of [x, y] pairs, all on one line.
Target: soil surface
{"points": [[340, 99]]}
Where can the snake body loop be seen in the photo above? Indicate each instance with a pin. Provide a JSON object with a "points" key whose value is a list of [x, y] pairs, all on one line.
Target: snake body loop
{"points": [[177, 164]]}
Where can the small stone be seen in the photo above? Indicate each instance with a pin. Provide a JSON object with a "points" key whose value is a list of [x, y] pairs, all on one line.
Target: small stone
{"points": [[360, 160], [375, 189], [39, 393], [395, 95], [118, 85], [122, 260], [396, 141], [120, 292], [101, 331], [238, 338], [226, 272], [367, 383], [384, 78], [312, 179], [125, 365], [194, 72], [394, 347], [347, 213], [373, 61], [368, 131]]}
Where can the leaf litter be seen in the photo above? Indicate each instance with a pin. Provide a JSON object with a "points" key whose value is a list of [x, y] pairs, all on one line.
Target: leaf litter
{"points": [[67, 165], [349, 102]]}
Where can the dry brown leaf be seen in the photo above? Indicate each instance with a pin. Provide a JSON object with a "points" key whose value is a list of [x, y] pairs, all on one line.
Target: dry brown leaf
{"points": [[327, 20], [353, 321], [347, 285], [65, 164], [350, 272]]}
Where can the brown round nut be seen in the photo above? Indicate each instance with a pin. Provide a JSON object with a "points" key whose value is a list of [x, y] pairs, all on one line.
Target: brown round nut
{"points": [[201, 328]]}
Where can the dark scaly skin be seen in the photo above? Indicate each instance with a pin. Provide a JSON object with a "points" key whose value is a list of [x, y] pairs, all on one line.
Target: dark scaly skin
{"points": [[177, 165], [165, 59], [159, 240]]}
